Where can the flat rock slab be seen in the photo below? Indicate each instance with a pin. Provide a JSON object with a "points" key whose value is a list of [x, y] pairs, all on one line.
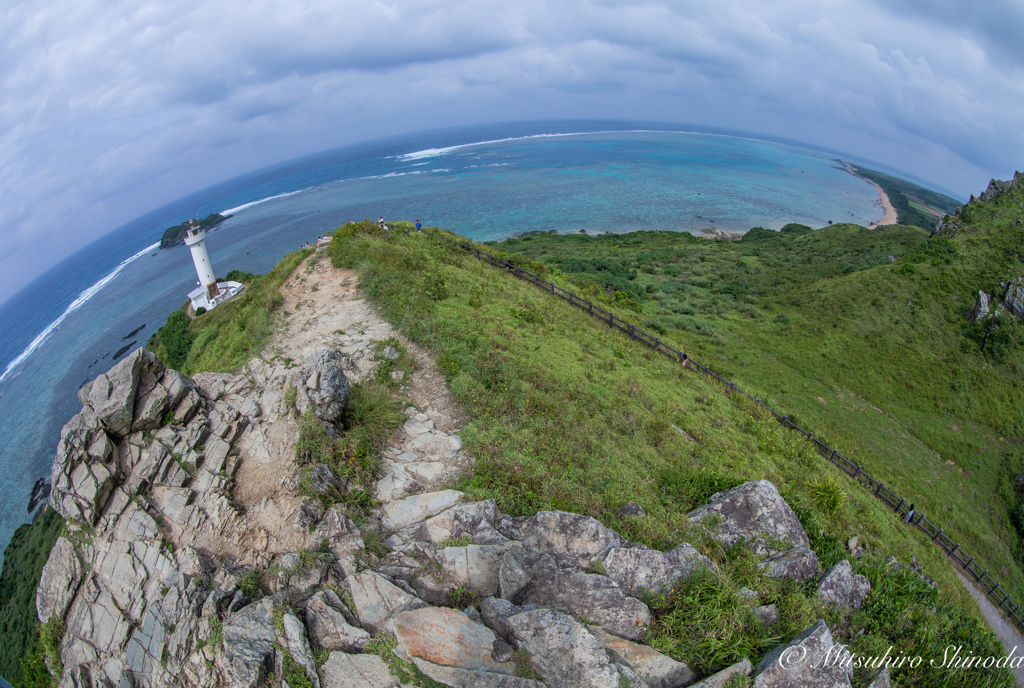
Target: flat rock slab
{"points": [[405, 512], [811, 660], [799, 563], [461, 519], [375, 600], [755, 512], [564, 652], [720, 679], [446, 637], [657, 670], [356, 671]]}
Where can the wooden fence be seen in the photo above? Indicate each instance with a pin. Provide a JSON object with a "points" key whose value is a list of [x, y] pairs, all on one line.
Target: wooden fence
{"points": [[992, 589]]}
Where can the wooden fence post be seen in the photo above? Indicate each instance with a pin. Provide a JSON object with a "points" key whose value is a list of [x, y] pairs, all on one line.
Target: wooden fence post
{"points": [[878, 489]]}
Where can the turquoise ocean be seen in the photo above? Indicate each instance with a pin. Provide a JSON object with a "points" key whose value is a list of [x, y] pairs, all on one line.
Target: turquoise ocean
{"points": [[485, 183]]}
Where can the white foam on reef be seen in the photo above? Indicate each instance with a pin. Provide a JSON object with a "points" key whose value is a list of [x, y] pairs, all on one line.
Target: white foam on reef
{"points": [[232, 211], [80, 301]]}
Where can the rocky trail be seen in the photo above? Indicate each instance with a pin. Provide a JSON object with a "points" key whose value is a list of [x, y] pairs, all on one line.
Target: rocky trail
{"points": [[194, 559]]}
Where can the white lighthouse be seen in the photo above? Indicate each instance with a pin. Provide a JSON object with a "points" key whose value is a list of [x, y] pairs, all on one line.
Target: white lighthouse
{"points": [[210, 292]]}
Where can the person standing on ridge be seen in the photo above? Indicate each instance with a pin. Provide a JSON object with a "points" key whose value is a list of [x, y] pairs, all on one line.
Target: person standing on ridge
{"points": [[419, 227]]}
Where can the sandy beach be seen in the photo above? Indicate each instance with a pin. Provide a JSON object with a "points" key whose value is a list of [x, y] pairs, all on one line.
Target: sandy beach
{"points": [[890, 213]]}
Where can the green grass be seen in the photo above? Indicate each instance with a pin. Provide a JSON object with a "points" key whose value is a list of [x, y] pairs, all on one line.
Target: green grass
{"points": [[872, 355], [24, 558], [565, 413]]}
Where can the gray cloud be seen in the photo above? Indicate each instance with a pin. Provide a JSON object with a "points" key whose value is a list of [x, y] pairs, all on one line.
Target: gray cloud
{"points": [[113, 108]]}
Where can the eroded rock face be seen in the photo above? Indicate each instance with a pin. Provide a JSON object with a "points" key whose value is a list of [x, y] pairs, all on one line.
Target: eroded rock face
{"points": [[59, 582], [755, 512], [325, 384], [981, 307]]}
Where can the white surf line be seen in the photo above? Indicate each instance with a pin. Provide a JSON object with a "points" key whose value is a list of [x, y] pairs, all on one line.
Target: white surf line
{"points": [[75, 305]]}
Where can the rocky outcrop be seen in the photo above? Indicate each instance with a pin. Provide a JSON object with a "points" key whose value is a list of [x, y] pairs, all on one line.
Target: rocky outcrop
{"points": [[754, 512], [981, 307], [325, 384], [1013, 302]]}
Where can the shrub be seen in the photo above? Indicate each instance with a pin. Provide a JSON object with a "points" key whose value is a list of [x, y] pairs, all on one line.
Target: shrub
{"points": [[828, 494]]}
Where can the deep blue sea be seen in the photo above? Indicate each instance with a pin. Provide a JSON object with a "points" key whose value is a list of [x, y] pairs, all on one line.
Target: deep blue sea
{"points": [[483, 182]]}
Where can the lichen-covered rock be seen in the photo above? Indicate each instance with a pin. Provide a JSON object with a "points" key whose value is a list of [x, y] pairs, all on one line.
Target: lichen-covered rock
{"points": [[981, 308], [473, 568], [583, 595], [637, 569], [328, 627], [839, 586], [298, 646], [755, 512], [563, 651], [572, 539], [811, 660], [1014, 299], [461, 519], [59, 581], [325, 384]]}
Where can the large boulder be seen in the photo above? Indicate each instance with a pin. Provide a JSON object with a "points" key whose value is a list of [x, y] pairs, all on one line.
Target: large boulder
{"points": [[375, 600], [328, 627], [356, 671], [811, 660], [325, 384], [839, 586], [563, 651], [755, 512], [572, 539], [637, 569], [541, 582]]}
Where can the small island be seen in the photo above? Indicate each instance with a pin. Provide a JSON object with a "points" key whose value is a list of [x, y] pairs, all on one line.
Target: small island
{"points": [[175, 236]]}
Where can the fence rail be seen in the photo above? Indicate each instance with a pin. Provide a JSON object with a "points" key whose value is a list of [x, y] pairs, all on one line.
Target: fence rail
{"points": [[854, 471]]}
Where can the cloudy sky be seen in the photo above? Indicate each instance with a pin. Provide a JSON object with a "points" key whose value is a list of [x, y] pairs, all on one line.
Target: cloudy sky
{"points": [[111, 108]]}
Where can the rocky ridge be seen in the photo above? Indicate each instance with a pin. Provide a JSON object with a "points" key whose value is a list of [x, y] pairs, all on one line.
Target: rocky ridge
{"points": [[192, 559]]}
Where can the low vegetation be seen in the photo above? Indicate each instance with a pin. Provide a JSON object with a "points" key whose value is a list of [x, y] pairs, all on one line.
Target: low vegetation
{"points": [[19, 626], [565, 413]]}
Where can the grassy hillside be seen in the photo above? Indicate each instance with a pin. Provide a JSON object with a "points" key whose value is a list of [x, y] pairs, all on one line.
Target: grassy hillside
{"points": [[565, 413], [863, 335]]}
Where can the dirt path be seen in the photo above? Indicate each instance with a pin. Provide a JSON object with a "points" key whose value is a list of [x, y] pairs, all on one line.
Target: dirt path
{"points": [[1004, 630]]}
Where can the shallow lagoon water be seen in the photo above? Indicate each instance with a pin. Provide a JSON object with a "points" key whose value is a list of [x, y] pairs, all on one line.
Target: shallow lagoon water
{"points": [[485, 183]]}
